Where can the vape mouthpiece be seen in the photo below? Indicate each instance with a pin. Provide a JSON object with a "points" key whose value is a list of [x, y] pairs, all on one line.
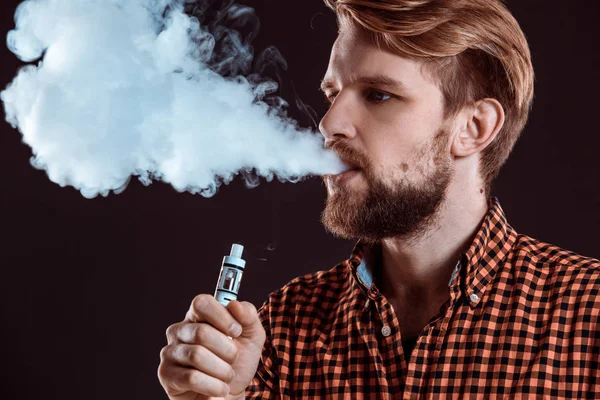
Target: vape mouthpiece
{"points": [[237, 250]]}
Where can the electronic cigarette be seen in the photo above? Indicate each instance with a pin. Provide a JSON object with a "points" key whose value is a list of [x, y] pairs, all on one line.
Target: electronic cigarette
{"points": [[232, 269]]}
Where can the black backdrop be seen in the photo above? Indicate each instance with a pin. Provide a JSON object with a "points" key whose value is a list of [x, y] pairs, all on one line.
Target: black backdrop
{"points": [[88, 287]]}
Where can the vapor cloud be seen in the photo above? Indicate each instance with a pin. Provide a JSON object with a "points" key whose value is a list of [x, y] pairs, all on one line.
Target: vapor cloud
{"points": [[128, 88]]}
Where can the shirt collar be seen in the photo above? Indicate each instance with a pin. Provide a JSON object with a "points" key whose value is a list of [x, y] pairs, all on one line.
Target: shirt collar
{"points": [[480, 263]]}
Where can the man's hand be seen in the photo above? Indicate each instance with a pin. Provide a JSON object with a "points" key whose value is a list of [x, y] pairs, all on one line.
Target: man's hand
{"points": [[200, 361]]}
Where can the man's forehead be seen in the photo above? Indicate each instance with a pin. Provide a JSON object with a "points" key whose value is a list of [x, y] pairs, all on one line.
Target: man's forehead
{"points": [[354, 55], [351, 38]]}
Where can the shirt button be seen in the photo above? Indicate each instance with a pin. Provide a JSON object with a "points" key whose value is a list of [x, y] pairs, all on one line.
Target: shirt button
{"points": [[386, 331], [474, 298]]}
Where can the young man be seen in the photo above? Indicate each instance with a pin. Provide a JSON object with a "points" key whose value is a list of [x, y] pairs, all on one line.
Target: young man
{"points": [[441, 297]]}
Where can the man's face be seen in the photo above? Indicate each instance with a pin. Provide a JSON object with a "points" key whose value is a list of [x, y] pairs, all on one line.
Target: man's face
{"points": [[386, 120]]}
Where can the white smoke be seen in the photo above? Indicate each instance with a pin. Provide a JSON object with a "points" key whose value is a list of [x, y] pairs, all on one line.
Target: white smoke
{"points": [[128, 88]]}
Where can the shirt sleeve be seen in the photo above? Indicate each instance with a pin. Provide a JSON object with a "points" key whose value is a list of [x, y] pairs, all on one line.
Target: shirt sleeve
{"points": [[265, 384]]}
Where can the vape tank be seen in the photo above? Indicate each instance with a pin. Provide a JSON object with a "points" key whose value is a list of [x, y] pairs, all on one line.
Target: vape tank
{"points": [[230, 277]]}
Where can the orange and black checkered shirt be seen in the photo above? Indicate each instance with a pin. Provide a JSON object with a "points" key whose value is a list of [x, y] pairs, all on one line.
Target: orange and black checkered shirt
{"points": [[522, 322]]}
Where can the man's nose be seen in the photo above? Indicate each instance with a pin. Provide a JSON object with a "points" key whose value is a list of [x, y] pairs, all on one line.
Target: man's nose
{"points": [[337, 122]]}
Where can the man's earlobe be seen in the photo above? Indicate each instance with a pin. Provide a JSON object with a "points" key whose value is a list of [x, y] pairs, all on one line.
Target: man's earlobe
{"points": [[481, 124]]}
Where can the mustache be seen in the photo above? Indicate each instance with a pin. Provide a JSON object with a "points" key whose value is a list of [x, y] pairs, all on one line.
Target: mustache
{"points": [[348, 154]]}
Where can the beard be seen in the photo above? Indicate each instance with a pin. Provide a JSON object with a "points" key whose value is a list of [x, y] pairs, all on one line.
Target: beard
{"points": [[404, 210]]}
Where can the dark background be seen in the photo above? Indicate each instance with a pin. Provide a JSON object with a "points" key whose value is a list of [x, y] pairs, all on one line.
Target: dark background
{"points": [[88, 287]]}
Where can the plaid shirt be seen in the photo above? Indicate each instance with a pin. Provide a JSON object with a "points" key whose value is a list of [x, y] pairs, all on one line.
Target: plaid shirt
{"points": [[522, 321]]}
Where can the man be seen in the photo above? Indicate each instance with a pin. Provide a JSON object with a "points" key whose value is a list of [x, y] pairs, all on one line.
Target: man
{"points": [[441, 297]]}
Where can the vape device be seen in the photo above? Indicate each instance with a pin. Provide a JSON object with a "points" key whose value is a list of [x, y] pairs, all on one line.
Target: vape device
{"points": [[232, 269]]}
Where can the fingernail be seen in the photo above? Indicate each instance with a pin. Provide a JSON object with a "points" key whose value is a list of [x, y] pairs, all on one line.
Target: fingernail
{"points": [[235, 330]]}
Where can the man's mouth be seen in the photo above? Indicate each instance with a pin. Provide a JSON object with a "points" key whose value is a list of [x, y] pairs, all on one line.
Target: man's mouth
{"points": [[345, 176], [350, 169], [351, 165]]}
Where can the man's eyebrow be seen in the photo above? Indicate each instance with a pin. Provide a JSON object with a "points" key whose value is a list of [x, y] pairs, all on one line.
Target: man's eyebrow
{"points": [[326, 84], [376, 80]]}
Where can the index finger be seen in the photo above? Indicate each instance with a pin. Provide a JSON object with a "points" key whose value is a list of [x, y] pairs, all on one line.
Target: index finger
{"points": [[205, 308]]}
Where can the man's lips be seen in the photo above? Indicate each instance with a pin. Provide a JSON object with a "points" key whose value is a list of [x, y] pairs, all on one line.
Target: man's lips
{"points": [[350, 169], [344, 176]]}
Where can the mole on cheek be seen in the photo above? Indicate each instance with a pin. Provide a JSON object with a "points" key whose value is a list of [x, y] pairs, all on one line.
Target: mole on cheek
{"points": [[404, 167]]}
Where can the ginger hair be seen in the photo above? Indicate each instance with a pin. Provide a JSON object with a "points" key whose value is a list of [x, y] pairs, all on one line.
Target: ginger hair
{"points": [[473, 49]]}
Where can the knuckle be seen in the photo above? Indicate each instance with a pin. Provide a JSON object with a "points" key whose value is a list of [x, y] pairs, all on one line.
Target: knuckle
{"points": [[201, 301], [201, 333], [194, 378], [164, 353], [232, 353], [251, 307], [230, 375], [160, 372], [165, 376], [171, 332], [189, 377], [196, 355]]}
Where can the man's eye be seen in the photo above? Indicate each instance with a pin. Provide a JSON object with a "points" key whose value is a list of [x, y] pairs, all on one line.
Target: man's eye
{"points": [[329, 98], [378, 97]]}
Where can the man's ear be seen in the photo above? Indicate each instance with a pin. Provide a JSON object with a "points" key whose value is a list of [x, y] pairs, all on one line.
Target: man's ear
{"points": [[480, 124]]}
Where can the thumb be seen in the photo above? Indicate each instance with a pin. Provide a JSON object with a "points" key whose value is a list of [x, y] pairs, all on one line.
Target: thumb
{"points": [[246, 314]]}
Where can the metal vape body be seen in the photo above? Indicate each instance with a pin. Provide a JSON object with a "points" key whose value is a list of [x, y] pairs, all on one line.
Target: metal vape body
{"points": [[232, 270]]}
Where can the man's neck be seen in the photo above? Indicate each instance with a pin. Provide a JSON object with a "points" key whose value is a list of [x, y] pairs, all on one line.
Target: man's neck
{"points": [[418, 269]]}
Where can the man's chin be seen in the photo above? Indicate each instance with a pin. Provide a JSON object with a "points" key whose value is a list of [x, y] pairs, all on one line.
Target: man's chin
{"points": [[340, 208], [379, 212], [335, 228]]}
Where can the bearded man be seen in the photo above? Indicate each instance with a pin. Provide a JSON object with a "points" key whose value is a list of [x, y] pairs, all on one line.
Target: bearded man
{"points": [[441, 298]]}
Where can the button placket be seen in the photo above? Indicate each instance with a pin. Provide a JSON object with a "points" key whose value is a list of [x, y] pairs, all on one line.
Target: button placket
{"points": [[388, 329], [443, 329], [385, 314]]}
